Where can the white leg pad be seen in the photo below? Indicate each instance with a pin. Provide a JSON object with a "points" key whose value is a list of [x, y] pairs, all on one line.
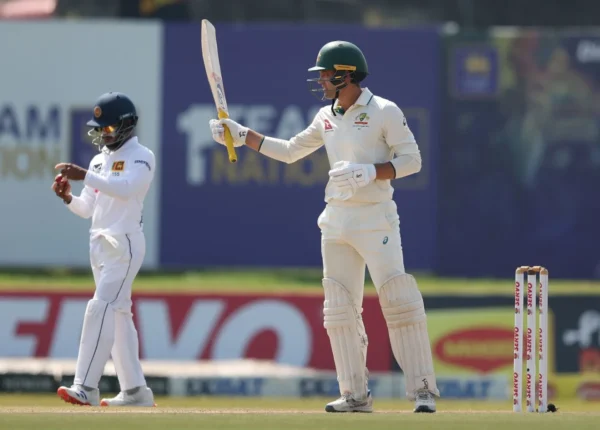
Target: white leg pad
{"points": [[97, 338], [346, 331], [404, 312]]}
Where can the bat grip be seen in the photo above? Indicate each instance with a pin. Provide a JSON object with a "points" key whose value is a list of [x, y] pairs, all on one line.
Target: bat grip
{"points": [[228, 139]]}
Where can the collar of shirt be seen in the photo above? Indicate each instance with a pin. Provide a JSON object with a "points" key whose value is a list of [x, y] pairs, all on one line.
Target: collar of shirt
{"points": [[362, 100], [127, 142]]}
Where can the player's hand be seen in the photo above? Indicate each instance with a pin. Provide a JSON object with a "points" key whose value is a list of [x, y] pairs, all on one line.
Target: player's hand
{"points": [[346, 175], [62, 188], [238, 131], [71, 171]]}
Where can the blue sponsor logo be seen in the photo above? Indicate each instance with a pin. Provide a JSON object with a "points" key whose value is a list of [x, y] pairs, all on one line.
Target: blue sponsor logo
{"points": [[328, 387], [225, 387], [467, 388], [145, 163]]}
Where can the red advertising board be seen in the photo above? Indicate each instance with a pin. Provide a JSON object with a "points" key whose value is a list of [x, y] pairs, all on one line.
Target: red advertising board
{"points": [[285, 328]]}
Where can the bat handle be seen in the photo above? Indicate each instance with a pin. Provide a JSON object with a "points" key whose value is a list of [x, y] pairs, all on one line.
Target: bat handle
{"points": [[228, 139]]}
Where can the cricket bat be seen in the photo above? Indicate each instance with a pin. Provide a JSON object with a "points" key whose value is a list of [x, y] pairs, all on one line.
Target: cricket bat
{"points": [[210, 55]]}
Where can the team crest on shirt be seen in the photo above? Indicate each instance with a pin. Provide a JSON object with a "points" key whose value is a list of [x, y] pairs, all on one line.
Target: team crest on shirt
{"points": [[118, 166], [361, 120]]}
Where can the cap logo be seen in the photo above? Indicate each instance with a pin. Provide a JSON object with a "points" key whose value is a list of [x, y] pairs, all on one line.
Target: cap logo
{"points": [[97, 112], [344, 67]]}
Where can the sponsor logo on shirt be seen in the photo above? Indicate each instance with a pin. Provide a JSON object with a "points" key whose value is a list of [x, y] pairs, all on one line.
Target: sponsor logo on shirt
{"points": [[327, 125], [145, 163]]}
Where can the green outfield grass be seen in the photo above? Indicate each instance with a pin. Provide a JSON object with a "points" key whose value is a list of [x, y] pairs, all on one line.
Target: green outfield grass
{"points": [[48, 413], [267, 280]]}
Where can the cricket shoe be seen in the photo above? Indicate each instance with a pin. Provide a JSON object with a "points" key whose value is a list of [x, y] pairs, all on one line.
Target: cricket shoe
{"points": [[143, 397], [76, 395], [347, 403], [424, 401]]}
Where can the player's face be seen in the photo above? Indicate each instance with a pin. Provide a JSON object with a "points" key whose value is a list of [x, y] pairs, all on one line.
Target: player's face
{"points": [[325, 77], [108, 134], [323, 88]]}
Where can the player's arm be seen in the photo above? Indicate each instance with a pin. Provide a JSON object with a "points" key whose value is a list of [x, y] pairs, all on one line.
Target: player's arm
{"points": [[400, 138], [301, 145], [82, 205], [137, 174], [287, 151]]}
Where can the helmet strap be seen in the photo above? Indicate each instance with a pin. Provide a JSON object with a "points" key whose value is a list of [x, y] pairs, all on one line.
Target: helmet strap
{"points": [[337, 93], [339, 83], [339, 109]]}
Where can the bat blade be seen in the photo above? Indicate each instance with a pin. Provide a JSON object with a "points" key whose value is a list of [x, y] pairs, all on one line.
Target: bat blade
{"points": [[210, 56]]}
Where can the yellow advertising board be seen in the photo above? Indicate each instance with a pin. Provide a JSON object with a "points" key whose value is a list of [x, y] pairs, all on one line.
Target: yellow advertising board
{"points": [[476, 340]]}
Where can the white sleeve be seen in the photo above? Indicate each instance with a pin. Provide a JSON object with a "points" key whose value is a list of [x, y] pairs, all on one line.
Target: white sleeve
{"points": [[83, 205], [137, 174], [288, 151], [400, 138]]}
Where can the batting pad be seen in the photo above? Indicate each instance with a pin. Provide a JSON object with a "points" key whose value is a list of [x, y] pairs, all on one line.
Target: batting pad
{"points": [[404, 312], [348, 338], [97, 338]]}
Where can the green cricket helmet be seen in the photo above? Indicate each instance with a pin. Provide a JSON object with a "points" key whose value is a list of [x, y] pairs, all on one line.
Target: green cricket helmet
{"points": [[344, 58]]}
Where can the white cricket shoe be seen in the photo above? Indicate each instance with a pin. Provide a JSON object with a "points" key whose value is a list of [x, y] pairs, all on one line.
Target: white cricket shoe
{"points": [[144, 397], [76, 395], [347, 403], [424, 401]]}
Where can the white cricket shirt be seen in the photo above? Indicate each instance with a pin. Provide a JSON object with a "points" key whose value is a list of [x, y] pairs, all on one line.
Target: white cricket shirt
{"points": [[373, 130], [114, 189]]}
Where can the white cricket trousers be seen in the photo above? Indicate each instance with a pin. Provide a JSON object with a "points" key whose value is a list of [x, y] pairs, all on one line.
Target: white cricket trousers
{"points": [[108, 328], [353, 237]]}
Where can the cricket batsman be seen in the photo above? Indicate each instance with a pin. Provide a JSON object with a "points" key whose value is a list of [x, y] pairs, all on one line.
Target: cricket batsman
{"points": [[369, 144], [114, 187]]}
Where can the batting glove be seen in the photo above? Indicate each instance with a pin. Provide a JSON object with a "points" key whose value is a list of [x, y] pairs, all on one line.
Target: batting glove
{"points": [[238, 131], [345, 175]]}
